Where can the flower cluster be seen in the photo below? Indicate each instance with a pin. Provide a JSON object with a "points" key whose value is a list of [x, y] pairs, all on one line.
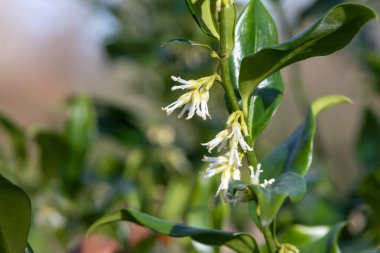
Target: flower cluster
{"points": [[195, 100], [228, 164], [233, 138]]}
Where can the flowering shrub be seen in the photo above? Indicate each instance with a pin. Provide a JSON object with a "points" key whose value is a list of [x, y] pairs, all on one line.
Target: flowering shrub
{"points": [[248, 61]]}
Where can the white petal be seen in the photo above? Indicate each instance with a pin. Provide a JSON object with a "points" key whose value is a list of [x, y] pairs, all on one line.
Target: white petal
{"points": [[170, 108]]}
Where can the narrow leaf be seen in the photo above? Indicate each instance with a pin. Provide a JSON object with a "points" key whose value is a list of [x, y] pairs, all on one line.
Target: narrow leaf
{"points": [[240, 242], [255, 30], [331, 33], [295, 154], [204, 13], [326, 102], [15, 217], [189, 42]]}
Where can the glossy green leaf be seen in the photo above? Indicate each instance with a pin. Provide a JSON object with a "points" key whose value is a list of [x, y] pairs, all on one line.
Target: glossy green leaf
{"points": [[320, 239], [331, 33], [295, 154], [230, 22], [15, 217], [17, 137], [204, 13], [255, 30], [240, 242], [189, 42], [368, 143], [270, 199]]}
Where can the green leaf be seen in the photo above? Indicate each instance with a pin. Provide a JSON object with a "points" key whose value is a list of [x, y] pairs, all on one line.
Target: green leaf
{"points": [[295, 154], [326, 102], [230, 19], [15, 217], [240, 242], [331, 33], [270, 199], [189, 42], [17, 136], [204, 13], [53, 154], [368, 143], [81, 125], [79, 133], [320, 239], [255, 30]]}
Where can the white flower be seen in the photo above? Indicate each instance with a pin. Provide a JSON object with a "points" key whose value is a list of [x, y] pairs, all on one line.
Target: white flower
{"points": [[221, 165], [194, 101], [220, 139], [234, 157], [232, 134], [238, 137], [184, 99], [191, 84], [255, 177], [267, 182]]}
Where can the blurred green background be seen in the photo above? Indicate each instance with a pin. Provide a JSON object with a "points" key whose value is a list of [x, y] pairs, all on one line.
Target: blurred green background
{"points": [[82, 84]]}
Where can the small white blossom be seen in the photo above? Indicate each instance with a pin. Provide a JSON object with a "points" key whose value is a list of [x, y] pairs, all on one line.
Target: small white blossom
{"points": [[194, 101], [221, 165], [220, 139], [191, 84], [232, 134], [238, 138], [184, 99], [267, 182], [234, 157], [255, 177]]}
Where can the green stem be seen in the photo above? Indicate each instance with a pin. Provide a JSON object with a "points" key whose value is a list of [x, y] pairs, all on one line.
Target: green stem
{"points": [[226, 78], [232, 99], [272, 248]]}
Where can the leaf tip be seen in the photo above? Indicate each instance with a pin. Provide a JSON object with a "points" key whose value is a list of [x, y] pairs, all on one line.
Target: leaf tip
{"points": [[326, 102]]}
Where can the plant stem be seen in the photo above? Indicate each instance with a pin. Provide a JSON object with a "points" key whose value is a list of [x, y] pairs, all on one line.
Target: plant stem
{"points": [[272, 248], [232, 99], [226, 78]]}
